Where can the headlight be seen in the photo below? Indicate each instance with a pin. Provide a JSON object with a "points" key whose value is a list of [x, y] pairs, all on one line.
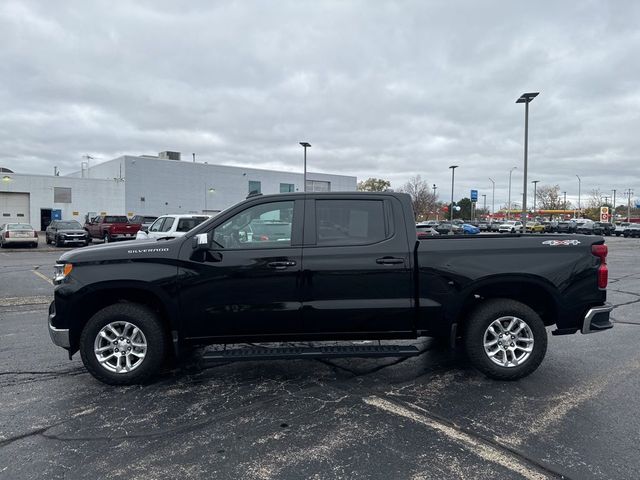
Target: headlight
{"points": [[61, 271]]}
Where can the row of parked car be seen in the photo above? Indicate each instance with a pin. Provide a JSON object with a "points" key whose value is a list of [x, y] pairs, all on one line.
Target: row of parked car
{"points": [[581, 226], [107, 228]]}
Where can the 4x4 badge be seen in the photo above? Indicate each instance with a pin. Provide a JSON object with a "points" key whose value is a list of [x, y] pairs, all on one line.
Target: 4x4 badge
{"points": [[557, 243]]}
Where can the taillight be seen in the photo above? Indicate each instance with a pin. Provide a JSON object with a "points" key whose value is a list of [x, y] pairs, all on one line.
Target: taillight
{"points": [[35, 234], [7, 235], [601, 251], [263, 238]]}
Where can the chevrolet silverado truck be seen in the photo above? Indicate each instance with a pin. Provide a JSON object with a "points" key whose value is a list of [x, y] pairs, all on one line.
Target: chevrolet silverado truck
{"points": [[111, 228], [348, 266]]}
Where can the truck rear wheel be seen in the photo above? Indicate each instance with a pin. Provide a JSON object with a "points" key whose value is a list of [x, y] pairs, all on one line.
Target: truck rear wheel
{"points": [[505, 339], [123, 344]]}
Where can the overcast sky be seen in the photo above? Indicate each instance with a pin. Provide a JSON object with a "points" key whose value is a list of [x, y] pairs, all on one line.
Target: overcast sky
{"points": [[383, 89]]}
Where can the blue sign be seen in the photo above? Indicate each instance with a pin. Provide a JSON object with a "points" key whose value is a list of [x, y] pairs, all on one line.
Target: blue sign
{"points": [[637, 203], [56, 214], [474, 195]]}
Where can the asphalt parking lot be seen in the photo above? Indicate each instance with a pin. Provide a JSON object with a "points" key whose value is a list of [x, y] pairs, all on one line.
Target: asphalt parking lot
{"points": [[430, 416]]}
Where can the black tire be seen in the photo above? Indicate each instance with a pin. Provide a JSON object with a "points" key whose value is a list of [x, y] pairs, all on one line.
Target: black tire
{"points": [[58, 242], [480, 321], [46, 239], [143, 318], [106, 238]]}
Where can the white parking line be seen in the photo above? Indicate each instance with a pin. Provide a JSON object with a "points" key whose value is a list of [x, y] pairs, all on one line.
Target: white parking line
{"points": [[44, 277], [480, 448]]}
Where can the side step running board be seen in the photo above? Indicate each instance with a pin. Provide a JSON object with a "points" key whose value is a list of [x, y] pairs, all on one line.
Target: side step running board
{"points": [[279, 353]]}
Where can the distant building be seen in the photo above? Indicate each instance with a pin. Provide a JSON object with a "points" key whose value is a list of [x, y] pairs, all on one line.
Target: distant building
{"points": [[146, 185]]}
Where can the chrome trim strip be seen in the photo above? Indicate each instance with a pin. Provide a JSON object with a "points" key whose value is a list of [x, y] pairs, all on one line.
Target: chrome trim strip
{"points": [[59, 336], [586, 324]]}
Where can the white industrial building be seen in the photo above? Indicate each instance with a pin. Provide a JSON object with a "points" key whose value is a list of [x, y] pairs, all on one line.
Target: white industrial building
{"points": [[146, 185]]}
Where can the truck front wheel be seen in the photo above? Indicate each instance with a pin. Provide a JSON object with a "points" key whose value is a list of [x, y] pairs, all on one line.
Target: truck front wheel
{"points": [[505, 339], [123, 344]]}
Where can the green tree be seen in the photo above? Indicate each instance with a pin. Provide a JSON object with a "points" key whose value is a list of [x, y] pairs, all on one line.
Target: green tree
{"points": [[374, 185], [465, 209]]}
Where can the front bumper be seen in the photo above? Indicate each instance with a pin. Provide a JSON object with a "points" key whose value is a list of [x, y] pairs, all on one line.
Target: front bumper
{"points": [[597, 319], [59, 336], [82, 239]]}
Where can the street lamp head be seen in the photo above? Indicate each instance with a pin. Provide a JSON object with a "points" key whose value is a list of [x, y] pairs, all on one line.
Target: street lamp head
{"points": [[535, 181], [6, 178], [453, 166], [211, 190], [305, 144], [527, 97]]}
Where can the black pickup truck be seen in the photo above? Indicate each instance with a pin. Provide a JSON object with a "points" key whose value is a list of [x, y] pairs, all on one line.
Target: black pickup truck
{"points": [[349, 267]]}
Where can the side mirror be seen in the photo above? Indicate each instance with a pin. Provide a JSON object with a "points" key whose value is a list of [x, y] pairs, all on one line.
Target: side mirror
{"points": [[201, 241], [145, 228]]}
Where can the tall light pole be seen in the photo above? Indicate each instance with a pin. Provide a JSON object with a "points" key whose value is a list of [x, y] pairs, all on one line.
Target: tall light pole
{"points": [[613, 213], [535, 192], [526, 98], [565, 203], [305, 145], [509, 201], [207, 191], [434, 200], [453, 176], [493, 196], [579, 188], [484, 203]]}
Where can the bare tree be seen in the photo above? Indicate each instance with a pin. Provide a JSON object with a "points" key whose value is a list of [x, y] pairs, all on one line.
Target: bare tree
{"points": [[422, 198], [595, 199], [550, 198]]}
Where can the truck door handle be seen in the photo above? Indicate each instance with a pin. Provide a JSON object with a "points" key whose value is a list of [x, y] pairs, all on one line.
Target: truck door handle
{"points": [[282, 264], [389, 261]]}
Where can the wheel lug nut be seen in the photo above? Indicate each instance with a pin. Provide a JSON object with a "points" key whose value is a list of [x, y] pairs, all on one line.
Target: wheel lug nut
{"points": [[512, 344], [116, 349]]}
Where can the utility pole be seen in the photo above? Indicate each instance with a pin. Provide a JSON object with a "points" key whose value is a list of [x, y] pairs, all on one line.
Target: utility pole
{"points": [[613, 213], [565, 203], [493, 196], [629, 192], [484, 203]]}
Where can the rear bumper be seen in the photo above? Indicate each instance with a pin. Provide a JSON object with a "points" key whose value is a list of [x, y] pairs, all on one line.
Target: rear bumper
{"points": [[597, 319], [59, 336], [122, 236], [20, 240]]}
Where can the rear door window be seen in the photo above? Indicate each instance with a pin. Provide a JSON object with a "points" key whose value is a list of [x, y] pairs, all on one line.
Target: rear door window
{"points": [[350, 222]]}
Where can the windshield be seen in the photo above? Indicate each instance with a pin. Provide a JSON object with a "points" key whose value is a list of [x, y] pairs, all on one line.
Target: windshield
{"points": [[69, 225]]}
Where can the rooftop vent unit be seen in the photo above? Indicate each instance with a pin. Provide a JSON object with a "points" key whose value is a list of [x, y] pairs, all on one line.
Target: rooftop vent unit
{"points": [[169, 155]]}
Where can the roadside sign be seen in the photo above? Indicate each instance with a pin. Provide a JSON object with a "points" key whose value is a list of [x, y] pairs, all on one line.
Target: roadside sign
{"points": [[604, 214], [474, 195]]}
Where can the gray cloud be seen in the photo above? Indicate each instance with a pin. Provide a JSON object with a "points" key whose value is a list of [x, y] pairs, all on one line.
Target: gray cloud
{"points": [[385, 89]]}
